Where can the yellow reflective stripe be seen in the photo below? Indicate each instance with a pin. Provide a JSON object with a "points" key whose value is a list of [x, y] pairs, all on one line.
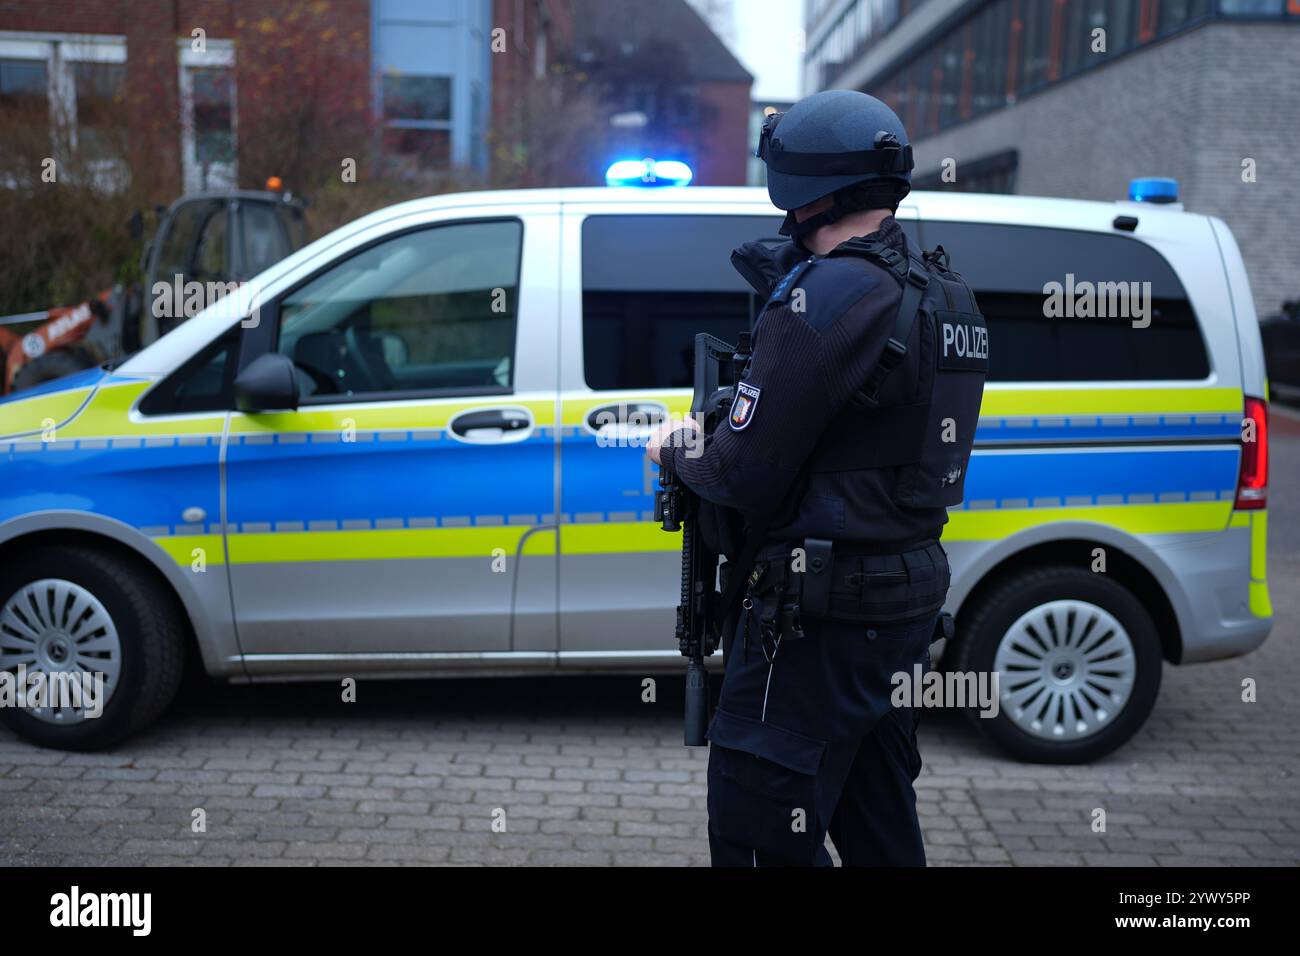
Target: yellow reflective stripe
{"points": [[1135, 519], [1001, 401], [991, 525], [1260, 605], [377, 415], [623, 537], [35, 414], [394, 543], [108, 416], [616, 537], [574, 411], [1239, 519], [1259, 545], [540, 543], [182, 547]]}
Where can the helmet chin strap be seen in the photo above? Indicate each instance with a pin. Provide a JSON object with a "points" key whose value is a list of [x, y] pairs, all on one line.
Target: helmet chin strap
{"points": [[843, 202], [798, 231]]}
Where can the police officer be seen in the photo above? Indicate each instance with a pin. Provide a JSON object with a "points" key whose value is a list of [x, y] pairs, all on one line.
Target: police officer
{"points": [[847, 439]]}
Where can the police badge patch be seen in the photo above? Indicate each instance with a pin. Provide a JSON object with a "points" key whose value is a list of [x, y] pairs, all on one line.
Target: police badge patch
{"points": [[743, 405]]}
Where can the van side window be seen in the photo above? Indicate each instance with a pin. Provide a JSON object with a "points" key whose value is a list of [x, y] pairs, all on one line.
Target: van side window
{"points": [[1037, 334], [430, 311], [649, 283], [203, 384]]}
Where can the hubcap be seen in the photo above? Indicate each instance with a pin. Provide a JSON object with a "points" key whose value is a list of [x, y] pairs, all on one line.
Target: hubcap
{"points": [[1067, 669], [55, 627]]}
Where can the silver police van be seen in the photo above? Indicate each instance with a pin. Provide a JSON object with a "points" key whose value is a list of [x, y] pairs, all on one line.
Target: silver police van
{"points": [[414, 448]]}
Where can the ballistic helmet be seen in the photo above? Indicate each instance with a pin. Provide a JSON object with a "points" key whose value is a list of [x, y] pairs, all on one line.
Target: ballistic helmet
{"points": [[831, 141]]}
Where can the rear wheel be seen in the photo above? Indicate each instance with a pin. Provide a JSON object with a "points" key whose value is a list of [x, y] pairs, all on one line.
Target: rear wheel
{"points": [[1078, 660], [81, 616]]}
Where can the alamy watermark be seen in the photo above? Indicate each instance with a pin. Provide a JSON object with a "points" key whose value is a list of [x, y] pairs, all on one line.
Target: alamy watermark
{"points": [[935, 689], [1098, 300], [83, 690]]}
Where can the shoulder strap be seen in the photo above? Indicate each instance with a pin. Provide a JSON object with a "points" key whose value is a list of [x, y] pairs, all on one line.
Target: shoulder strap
{"points": [[914, 285], [914, 276]]}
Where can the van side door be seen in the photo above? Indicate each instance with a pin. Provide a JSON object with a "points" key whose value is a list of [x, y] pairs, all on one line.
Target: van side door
{"points": [[385, 519]]}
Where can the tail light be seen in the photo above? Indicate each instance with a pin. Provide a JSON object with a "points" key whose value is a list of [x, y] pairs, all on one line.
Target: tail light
{"points": [[1252, 482]]}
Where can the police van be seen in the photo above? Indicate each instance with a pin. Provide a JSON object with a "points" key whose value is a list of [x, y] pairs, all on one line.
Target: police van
{"points": [[415, 448]]}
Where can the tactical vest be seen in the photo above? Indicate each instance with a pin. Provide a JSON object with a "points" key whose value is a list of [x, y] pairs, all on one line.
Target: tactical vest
{"points": [[924, 427]]}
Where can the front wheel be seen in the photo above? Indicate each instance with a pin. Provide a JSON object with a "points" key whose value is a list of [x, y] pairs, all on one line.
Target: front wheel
{"points": [[1078, 661], [97, 641]]}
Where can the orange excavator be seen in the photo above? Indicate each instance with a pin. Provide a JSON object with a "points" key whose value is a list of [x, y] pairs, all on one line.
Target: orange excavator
{"points": [[213, 239]]}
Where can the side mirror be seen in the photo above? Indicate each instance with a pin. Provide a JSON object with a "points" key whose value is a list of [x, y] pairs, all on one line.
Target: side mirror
{"points": [[269, 384]]}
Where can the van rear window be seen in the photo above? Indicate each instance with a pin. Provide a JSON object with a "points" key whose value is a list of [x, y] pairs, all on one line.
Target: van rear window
{"points": [[649, 283], [1061, 305]]}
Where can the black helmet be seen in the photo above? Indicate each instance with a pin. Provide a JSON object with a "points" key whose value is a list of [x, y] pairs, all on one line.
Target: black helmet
{"points": [[831, 140]]}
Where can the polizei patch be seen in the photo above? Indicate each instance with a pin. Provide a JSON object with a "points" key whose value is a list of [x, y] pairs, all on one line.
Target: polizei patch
{"points": [[743, 405], [963, 341]]}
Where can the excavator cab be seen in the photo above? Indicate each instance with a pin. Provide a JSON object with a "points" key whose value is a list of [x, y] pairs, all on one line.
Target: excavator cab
{"points": [[203, 245]]}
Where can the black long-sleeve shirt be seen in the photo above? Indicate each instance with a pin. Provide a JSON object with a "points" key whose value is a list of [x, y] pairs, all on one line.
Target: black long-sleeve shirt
{"points": [[812, 351]]}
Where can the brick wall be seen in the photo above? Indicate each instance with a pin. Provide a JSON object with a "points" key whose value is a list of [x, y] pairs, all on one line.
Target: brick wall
{"points": [[1191, 107], [278, 44]]}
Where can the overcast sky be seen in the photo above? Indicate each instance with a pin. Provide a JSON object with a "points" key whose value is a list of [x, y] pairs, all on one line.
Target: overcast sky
{"points": [[765, 35]]}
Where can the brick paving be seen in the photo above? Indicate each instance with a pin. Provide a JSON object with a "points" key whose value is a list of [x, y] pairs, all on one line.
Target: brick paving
{"points": [[581, 772]]}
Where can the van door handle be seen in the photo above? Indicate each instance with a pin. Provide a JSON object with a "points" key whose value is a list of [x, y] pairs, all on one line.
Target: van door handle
{"points": [[492, 425], [647, 415]]}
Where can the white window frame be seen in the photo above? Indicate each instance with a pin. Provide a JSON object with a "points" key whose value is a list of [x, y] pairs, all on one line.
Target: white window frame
{"points": [[59, 51], [217, 176]]}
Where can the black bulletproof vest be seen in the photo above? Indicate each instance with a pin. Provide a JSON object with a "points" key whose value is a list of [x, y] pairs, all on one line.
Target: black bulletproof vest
{"points": [[926, 426]]}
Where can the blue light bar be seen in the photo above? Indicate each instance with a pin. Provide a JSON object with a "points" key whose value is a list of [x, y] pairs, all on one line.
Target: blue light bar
{"points": [[1153, 189], [648, 172]]}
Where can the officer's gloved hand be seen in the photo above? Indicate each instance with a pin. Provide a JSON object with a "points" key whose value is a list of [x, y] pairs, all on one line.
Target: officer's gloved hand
{"points": [[762, 265]]}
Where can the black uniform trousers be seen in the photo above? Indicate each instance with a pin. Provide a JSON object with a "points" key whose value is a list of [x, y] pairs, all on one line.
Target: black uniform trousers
{"points": [[806, 741]]}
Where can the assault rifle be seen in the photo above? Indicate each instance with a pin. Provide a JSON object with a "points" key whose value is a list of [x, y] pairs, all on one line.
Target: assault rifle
{"points": [[677, 508]]}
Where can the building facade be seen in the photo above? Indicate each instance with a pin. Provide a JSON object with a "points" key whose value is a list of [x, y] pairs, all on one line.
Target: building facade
{"points": [[667, 88], [213, 94], [184, 83], [1075, 98]]}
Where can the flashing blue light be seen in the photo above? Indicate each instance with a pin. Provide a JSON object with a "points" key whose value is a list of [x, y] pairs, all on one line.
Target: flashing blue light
{"points": [[1153, 189], [648, 172]]}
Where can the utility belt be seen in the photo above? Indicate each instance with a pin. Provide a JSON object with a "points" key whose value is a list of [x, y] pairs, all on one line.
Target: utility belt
{"points": [[811, 581]]}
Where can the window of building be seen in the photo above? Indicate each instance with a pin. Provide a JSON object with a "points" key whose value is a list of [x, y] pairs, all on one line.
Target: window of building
{"points": [[100, 97], [1253, 8], [417, 118], [209, 127], [1009, 268], [66, 93], [1035, 47], [24, 94], [1005, 49], [432, 311], [989, 37]]}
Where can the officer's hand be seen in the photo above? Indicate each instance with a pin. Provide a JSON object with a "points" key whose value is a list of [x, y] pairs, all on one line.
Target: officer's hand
{"points": [[661, 438]]}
